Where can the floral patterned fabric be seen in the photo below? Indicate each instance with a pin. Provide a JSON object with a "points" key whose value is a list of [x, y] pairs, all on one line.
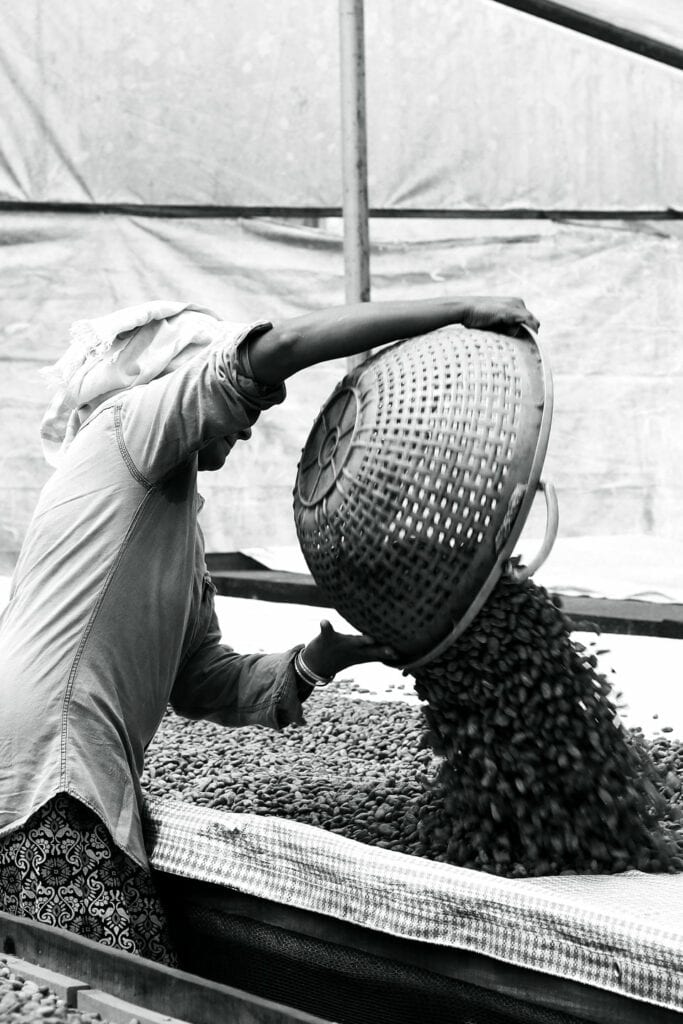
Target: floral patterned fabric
{"points": [[63, 869]]}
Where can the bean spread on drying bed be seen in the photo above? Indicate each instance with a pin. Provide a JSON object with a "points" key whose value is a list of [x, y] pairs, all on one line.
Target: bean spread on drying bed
{"points": [[516, 763]]}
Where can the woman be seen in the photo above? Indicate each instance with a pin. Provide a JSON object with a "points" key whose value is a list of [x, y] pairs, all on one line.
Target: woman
{"points": [[111, 615]]}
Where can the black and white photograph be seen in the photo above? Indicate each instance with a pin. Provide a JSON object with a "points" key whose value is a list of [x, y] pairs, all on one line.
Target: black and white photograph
{"points": [[341, 512]]}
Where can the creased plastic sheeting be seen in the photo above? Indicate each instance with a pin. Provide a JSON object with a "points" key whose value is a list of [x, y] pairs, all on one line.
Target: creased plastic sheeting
{"points": [[470, 105], [610, 300]]}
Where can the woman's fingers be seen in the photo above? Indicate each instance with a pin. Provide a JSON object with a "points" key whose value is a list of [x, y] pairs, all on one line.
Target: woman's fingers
{"points": [[351, 648], [378, 652], [533, 322]]}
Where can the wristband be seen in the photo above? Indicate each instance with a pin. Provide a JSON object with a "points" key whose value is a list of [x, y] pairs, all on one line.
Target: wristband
{"points": [[307, 674]]}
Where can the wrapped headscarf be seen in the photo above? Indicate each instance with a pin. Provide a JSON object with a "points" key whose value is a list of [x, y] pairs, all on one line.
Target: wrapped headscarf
{"points": [[113, 353]]}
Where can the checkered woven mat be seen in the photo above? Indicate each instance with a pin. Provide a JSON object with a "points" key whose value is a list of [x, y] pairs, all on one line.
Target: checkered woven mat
{"points": [[622, 933]]}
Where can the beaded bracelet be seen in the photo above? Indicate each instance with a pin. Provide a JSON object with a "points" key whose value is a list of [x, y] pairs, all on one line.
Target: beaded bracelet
{"points": [[307, 674]]}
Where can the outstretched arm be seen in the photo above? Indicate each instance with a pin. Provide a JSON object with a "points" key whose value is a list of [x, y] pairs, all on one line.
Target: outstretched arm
{"points": [[349, 330]]}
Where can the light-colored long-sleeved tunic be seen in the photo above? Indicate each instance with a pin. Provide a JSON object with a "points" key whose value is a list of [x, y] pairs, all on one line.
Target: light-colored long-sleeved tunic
{"points": [[111, 613]]}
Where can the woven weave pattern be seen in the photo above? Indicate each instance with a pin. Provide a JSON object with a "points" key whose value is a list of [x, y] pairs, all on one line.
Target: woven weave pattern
{"points": [[411, 478], [623, 932]]}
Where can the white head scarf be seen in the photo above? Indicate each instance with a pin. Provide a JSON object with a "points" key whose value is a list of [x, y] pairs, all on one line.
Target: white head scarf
{"points": [[112, 353]]}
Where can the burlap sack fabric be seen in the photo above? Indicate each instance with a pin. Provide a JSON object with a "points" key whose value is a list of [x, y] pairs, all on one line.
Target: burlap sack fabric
{"points": [[622, 933]]}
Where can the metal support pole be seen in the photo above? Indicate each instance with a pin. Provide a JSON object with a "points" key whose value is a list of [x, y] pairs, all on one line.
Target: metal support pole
{"points": [[354, 153]]}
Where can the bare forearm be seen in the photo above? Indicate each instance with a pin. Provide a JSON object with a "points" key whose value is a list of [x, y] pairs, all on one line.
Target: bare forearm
{"points": [[345, 331], [350, 330]]}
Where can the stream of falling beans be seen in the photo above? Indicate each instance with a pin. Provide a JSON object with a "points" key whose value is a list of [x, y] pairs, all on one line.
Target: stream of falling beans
{"points": [[515, 764], [538, 774]]}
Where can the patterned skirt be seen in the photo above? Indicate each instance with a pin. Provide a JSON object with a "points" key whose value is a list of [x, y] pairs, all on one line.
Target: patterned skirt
{"points": [[63, 869]]}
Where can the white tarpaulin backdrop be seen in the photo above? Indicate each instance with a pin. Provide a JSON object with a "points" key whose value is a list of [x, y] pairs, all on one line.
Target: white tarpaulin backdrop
{"points": [[610, 299], [470, 105]]}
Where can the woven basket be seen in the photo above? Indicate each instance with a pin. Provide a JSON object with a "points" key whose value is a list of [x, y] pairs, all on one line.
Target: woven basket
{"points": [[416, 479]]}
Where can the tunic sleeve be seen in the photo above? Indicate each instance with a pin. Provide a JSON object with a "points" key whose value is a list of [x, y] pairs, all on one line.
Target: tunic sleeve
{"points": [[213, 395], [220, 685]]}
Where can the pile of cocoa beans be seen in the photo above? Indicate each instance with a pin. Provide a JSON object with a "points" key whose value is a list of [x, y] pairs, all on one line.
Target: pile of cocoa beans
{"points": [[516, 762]]}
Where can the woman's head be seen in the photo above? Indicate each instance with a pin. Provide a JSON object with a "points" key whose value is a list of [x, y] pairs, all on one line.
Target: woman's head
{"points": [[116, 352]]}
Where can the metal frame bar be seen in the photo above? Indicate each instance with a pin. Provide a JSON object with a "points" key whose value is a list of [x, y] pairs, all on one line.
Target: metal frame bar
{"points": [[299, 212], [354, 151], [598, 28]]}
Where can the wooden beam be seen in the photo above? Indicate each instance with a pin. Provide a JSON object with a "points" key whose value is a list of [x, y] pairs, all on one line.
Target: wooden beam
{"points": [[269, 585], [200, 907], [588, 614], [168, 991], [636, 618]]}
